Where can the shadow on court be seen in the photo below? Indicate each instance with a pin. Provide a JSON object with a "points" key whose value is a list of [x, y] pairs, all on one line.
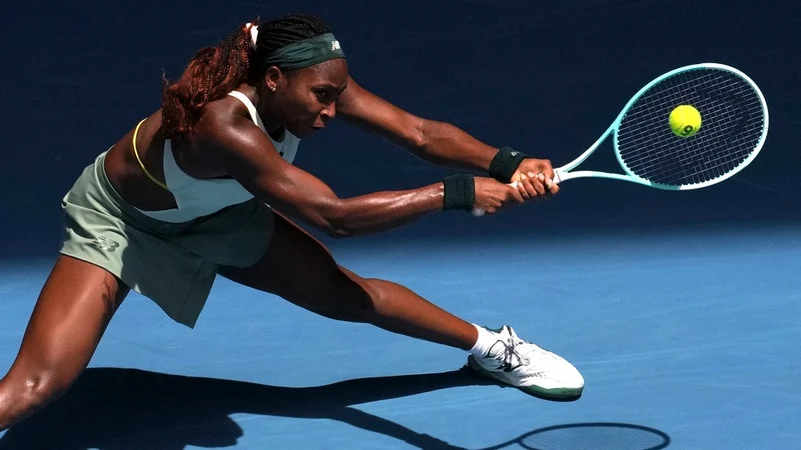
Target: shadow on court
{"points": [[111, 409], [590, 435]]}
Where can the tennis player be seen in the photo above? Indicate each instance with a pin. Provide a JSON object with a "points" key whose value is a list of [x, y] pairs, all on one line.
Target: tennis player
{"points": [[184, 196]]}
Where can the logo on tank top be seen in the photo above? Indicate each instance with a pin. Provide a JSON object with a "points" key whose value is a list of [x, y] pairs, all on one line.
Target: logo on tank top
{"points": [[335, 45]]}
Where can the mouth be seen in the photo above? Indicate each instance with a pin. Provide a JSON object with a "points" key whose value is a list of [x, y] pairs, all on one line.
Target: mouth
{"points": [[319, 122]]}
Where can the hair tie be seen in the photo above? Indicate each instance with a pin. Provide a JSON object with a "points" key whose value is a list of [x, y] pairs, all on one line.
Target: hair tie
{"points": [[254, 33]]}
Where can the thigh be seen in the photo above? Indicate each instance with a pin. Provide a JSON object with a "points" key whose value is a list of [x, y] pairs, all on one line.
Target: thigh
{"points": [[73, 310], [299, 268]]}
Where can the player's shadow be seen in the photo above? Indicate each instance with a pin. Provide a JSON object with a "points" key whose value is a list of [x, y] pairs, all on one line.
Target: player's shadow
{"points": [[112, 408]]}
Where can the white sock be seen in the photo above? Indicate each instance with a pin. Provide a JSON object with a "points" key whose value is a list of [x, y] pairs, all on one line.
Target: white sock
{"points": [[486, 339]]}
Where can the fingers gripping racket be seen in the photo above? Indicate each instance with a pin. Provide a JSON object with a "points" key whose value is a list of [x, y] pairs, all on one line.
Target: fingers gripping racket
{"points": [[690, 128]]}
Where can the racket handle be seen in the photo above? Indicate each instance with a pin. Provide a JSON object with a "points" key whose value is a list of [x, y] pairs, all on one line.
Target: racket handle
{"points": [[478, 212], [557, 178]]}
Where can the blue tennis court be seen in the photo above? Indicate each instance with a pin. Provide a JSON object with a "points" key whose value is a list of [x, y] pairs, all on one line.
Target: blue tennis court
{"points": [[680, 309]]}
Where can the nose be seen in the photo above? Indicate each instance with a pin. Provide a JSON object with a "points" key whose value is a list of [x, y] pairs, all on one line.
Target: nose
{"points": [[330, 112]]}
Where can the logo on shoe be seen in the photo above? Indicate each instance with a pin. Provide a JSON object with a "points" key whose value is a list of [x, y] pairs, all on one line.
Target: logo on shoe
{"points": [[105, 244]]}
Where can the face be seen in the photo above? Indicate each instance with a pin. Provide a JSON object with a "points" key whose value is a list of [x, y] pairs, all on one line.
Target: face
{"points": [[305, 99]]}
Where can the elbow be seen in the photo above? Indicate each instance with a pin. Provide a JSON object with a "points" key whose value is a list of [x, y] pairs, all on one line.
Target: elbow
{"points": [[336, 222], [418, 137], [339, 232]]}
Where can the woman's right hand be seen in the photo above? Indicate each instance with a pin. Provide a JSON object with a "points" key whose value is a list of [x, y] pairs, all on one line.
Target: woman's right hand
{"points": [[492, 195]]}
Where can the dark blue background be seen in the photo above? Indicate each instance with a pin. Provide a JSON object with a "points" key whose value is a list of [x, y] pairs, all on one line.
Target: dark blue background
{"points": [[545, 77]]}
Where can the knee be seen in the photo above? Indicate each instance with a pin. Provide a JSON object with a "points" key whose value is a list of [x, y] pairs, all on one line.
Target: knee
{"points": [[43, 388], [371, 302], [25, 395], [356, 300]]}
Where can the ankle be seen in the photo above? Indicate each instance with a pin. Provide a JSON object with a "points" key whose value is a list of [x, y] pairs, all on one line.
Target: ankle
{"points": [[486, 339]]}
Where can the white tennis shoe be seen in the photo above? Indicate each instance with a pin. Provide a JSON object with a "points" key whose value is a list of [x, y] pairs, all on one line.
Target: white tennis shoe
{"points": [[532, 369]]}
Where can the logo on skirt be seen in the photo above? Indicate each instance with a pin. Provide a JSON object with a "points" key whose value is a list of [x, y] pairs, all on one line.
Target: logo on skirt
{"points": [[105, 244]]}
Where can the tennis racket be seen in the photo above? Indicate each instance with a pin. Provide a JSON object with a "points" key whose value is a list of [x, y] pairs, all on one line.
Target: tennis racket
{"points": [[734, 125]]}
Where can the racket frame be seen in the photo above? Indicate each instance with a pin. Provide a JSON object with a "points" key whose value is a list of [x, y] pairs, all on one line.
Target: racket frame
{"points": [[564, 172]]}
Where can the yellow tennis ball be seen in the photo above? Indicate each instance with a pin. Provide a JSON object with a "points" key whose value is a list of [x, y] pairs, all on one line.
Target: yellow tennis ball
{"points": [[685, 120]]}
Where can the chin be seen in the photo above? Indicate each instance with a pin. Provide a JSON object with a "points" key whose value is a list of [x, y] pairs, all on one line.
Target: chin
{"points": [[303, 131]]}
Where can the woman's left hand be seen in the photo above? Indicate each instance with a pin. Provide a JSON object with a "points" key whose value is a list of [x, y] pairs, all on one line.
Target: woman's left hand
{"points": [[534, 179]]}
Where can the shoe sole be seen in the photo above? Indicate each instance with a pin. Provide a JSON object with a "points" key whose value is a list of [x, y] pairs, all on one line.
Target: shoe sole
{"points": [[558, 394]]}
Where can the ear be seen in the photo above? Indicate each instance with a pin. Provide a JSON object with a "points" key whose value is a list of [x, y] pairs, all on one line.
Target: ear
{"points": [[274, 78]]}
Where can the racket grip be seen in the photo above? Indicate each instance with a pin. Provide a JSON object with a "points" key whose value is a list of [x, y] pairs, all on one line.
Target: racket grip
{"points": [[478, 212], [557, 178]]}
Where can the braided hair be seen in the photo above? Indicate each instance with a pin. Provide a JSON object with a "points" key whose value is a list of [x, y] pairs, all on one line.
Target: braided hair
{"points": [[215, 71]]}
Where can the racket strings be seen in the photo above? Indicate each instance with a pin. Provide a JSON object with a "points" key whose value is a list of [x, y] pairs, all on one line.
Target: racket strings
{"points": [[711, 163], [662, 160], [732, 126]]}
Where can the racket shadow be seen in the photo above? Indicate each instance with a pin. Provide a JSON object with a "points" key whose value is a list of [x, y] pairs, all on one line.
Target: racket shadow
{"points": [[116, 408], [590, 435]]}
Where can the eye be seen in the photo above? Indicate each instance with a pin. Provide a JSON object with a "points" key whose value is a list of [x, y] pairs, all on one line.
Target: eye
{"points": [[322, 94]]}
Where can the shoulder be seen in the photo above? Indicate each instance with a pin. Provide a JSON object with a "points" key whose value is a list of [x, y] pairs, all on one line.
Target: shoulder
{"points": [[226, 126], [225, 111]]}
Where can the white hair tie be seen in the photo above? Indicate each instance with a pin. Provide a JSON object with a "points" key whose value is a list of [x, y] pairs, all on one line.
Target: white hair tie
{"points": [[254, 33]]}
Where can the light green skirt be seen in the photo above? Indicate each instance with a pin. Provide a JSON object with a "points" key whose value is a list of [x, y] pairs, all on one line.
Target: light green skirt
{"points": [[173, 264]]}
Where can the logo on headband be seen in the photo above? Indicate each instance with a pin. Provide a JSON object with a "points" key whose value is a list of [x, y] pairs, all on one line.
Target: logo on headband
{"points": [[335, 45]]}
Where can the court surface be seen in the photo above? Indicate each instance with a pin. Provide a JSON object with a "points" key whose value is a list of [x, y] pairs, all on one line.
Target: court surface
{"points": [[691, 334]]}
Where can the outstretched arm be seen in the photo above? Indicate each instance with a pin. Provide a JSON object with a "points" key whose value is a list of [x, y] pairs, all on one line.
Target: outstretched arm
{"points": [[437, 142], [245, 153]]}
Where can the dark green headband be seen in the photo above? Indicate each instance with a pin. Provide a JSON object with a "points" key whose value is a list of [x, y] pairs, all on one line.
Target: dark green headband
{"points": [[307, 52]]}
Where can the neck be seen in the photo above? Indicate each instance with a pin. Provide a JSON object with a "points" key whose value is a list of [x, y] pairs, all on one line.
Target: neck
{"points": [[263, 108]]}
